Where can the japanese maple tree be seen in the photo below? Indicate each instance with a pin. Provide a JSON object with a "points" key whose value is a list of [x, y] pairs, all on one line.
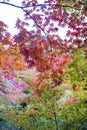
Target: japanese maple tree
{"points": [[60, 62]]}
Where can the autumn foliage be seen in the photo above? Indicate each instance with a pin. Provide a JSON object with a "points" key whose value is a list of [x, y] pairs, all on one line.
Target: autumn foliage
{"points": [[61, 63], [11, 58]]}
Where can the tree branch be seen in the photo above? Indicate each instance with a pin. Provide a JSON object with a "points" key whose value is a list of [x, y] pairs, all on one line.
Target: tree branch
{"points": [[41, 5], [48, 38], [38, 26], [26, 81], [6, 3], [55, 117], [48, 4]]}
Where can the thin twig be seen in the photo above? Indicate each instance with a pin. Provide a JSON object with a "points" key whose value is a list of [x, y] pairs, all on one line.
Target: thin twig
{"points": [[26, 81], [39, 27]]}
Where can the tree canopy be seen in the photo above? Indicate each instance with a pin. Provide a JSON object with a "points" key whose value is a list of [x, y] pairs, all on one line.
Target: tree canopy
{"points": [[61, 63]]}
